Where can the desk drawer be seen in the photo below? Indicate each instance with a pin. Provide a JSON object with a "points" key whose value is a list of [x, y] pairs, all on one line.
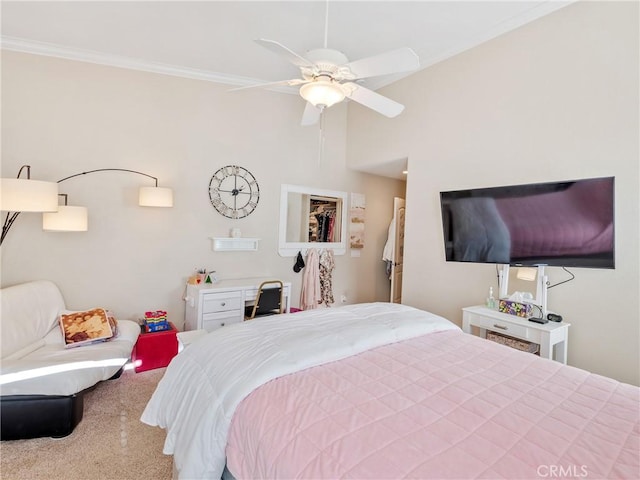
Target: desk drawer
{"points": [[221, 302], [504, 327], [213, 321]]}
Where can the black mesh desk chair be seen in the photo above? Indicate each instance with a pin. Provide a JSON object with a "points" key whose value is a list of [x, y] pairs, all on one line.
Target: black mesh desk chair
{"points": [[269, 300]]}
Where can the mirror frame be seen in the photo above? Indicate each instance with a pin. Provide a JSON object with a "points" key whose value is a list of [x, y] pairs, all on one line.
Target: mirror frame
{"points": [[291, 249]]}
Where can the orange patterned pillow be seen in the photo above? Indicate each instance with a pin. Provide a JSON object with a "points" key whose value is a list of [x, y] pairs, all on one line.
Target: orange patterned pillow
{"points": [[83, 328]]}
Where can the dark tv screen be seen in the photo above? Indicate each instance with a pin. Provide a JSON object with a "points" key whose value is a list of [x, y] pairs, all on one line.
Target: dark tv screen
{"points": [[563, 224]]}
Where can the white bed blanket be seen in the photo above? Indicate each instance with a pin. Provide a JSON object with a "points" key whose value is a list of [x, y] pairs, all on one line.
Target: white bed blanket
{"points": [[198, 395]]}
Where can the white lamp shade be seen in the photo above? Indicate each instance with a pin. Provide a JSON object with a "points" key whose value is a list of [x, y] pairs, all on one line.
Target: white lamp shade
{"points": [[322, 93], [155, 197], [66, 219], [25, 195], [526, 273]]}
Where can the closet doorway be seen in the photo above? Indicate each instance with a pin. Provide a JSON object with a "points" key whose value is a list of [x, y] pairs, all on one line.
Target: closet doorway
{"points": [[398, 250]]}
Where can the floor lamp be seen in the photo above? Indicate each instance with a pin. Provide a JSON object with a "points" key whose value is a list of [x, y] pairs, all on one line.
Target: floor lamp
{"points": [[74, 219], [19, 195], [25, 195]]}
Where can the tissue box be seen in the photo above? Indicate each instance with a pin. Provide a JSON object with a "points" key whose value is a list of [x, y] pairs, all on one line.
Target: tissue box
{"points": [[524, 310]]}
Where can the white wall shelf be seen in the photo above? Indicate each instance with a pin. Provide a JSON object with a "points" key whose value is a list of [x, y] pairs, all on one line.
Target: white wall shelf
{"points": [[231, 244]]}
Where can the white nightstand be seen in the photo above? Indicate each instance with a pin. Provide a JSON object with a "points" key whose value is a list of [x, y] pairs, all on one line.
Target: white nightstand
{"points": [[552, 337]]}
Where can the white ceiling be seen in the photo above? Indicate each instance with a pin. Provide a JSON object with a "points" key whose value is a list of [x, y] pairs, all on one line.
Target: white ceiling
{"points": [[213, 40]]}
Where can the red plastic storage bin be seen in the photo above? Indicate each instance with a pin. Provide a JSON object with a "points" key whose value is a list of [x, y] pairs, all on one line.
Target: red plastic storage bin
{"points": [[155, 349]]}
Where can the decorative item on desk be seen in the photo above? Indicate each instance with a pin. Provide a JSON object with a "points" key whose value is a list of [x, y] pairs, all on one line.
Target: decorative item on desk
{"points": [[491, 301], [201, 275], [211, 277]]}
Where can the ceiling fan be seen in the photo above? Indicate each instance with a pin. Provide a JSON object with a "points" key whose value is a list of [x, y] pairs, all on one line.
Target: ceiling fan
{"points": [[328, 78]]}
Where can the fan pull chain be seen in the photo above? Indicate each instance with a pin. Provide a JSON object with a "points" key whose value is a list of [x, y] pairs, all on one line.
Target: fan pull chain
{"points": [[321, 138]]}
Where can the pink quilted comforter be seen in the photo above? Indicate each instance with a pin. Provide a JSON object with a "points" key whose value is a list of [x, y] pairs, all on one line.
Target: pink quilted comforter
{"points": [[444, 405]]}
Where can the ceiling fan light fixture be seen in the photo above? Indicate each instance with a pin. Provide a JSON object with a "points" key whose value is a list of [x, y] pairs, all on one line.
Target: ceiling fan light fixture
{"points": [[322, 93]]}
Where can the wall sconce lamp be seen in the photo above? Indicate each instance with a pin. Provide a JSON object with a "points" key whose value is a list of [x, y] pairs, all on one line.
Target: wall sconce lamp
{"points": [[25, 195]]}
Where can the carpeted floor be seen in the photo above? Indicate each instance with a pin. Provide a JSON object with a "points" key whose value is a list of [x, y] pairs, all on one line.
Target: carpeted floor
{"points": [[110, 443]]}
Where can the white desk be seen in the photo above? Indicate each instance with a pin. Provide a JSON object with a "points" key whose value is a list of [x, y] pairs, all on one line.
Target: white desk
{"points": [[210, 306], [552, 337]]}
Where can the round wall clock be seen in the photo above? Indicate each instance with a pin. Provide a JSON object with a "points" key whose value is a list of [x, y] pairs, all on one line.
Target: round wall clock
{"points": [[234, 191]]}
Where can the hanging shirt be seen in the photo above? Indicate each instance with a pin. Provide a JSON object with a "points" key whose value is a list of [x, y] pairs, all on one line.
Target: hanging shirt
{"points": [[389, 247], [310, 295], [326, 270]]}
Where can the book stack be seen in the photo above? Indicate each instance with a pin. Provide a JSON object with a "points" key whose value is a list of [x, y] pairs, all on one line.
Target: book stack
{"points": [[156, 321]]}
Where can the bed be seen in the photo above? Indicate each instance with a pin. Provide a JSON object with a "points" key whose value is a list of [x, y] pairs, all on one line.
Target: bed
{"points": [[386, 391]]}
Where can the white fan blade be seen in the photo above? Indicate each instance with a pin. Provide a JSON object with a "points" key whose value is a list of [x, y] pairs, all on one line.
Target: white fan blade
{"points": [[311, 115], [283, 51], [395, 61], [373, 100], [292, 82]]}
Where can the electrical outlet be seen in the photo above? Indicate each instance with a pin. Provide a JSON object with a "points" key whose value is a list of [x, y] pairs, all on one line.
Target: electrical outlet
{"points": [[343, 298]]}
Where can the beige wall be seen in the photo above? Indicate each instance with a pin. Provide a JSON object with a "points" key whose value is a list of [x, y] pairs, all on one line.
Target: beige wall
{"points": [[64, 117], [554, 100]]}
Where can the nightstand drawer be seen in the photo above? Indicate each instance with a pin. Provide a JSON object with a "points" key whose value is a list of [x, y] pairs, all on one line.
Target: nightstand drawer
{"points": [[221, 302], [497, 325], [213, 321]]}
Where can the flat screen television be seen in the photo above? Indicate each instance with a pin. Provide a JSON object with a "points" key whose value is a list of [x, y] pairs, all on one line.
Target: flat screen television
{"points": [[562, 224]]}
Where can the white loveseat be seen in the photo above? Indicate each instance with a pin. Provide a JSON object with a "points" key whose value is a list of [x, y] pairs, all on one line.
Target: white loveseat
{"points": [[42, 382]]}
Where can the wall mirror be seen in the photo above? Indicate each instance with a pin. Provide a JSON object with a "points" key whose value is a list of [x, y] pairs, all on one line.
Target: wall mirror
{"points": [[312, 218]]}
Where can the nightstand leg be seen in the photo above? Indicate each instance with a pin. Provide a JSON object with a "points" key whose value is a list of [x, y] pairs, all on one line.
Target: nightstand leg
{"points": [[546, 351], [561, 351]]}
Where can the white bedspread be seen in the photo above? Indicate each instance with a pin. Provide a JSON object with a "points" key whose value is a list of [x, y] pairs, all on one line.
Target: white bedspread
{"points": [[196, 399]]}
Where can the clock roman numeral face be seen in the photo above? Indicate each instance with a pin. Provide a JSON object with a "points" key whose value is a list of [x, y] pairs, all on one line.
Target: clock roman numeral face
{"points": [[234, 191]]}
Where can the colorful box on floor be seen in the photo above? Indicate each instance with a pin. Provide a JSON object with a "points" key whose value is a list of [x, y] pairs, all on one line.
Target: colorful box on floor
{"points": [[157, 316], [156, 326], [156, 321]]}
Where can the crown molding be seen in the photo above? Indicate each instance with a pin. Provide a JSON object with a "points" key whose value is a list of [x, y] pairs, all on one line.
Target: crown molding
{"points": [[53, 50], [16, 44], [522, 19]]}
